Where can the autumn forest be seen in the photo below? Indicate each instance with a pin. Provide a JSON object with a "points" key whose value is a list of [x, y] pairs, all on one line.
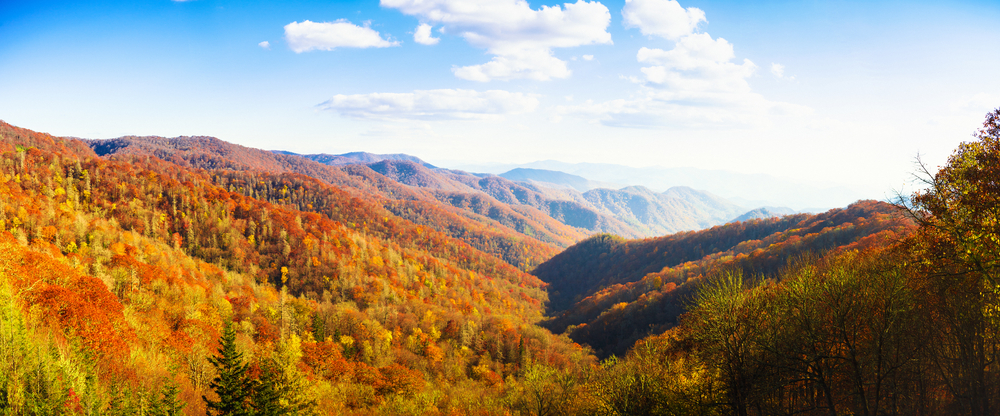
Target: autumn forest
{"points": [[191, 276]]}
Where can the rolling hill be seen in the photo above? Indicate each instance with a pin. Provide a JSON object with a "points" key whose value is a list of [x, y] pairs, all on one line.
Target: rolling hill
{"points": [[555, 179], [762, 188], [763, 212], [358, 181], [608, 292], [355, 158], [655, 214], [395, 288], [118, 275]]}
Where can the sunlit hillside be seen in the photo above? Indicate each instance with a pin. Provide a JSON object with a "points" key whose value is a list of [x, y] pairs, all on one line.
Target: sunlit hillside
{"points": [[137, 284], [119, 278]]}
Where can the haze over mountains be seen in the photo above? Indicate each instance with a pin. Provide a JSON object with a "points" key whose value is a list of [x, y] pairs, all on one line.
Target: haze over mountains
{"points": [[596, 206], [751, 236], [751, 190], [537, 202], [556, 179], [356, 157], [390, 277], [543, 211]]}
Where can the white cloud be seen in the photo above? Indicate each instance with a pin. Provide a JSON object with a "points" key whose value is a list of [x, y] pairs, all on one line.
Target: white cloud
{"points": [[265, 44], [696, 84], [423, 35], [697, 63], [655, 108], [519, 38], [588, 57], [536, 64], [664, 18], [307, 36], [444, 104], [778, 70]]}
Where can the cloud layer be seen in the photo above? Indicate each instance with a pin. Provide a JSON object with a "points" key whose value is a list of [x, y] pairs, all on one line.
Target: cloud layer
{"points": [[695, 84], [519, 38], [423, 35], [664, 18], [697, 63], [443, 104], [656, 108], [778, 70], [307, 36]]}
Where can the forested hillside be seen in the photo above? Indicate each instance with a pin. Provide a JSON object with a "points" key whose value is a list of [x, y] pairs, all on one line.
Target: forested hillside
{"points": [[356, 157], [137, 285], [119, 277], [606, 260], [498, 234], [623, 291], [905, 325]]}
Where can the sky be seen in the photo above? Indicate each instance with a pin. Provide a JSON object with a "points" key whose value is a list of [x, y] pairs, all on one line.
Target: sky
{"points": [[843, 93]]}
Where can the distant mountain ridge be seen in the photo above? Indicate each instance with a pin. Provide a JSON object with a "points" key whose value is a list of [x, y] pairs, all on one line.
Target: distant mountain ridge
{"points": [[356, 157], [633, 211], [763, 212], [556, 178], [501, 234], [475, 192], [609, 292], [536, 202], [680, 209], [760, 188]]}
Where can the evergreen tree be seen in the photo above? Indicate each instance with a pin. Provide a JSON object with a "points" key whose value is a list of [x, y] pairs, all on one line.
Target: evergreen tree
{"points": [[168, 404], [265, 400], [231, 385]]}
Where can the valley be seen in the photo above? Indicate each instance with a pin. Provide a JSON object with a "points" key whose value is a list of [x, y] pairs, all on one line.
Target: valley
{"points": [[499, 208], [381, 284]]}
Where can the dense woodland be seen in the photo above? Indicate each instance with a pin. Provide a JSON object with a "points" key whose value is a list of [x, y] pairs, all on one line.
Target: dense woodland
{"points": [[120, 276], [193, 282], [489, 225], [620, 296]]}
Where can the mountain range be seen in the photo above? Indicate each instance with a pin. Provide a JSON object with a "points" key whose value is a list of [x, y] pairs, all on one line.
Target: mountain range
{"points": [[631, 211], [151, 275], [352, 158], [750, 190], [356, 283], [556, 179]]}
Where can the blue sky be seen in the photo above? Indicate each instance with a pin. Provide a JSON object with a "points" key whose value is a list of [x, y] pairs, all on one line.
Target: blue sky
{"points": [[838, 92]]}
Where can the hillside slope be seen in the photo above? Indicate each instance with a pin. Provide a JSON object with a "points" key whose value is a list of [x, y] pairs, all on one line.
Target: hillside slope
{"points": [[117, 277], [654, 214], [361, 182], [356, 158], [610, 292], [554, 178], [763, 212]]}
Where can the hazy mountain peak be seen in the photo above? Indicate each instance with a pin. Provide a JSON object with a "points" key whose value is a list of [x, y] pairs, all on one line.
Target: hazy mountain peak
{"points": [[764, 212], [556, 179], [357, 157], [686, 190], [638, 190], [761, 189], [373, 157]]}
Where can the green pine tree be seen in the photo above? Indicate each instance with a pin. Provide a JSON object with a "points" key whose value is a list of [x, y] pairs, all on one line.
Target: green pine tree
{"points": [[266, 396], [231, 385], [168, 404]]}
